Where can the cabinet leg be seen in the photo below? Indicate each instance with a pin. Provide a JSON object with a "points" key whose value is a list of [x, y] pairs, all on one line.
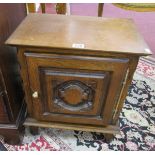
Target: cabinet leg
{"points": [[12, 136], [33, 130], [108, 137], [13, 139]]}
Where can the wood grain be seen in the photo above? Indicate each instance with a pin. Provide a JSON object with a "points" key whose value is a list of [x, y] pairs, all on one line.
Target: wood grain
{"points": [[60, 31], [109, 129], [100, 9], [76, 63], [77, 88]]}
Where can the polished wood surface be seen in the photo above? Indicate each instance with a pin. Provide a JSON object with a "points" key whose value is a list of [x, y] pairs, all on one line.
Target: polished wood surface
{"points": [[43, 7], [79, 87], [109, 129], [61, 8], [100, 9], [124, 90], [11, 93], [60, 31], [31, 7], [85, 70]]}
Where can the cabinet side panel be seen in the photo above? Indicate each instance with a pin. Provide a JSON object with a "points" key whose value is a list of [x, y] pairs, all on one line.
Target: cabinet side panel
{"points": [[25, 78], [127, 81]]}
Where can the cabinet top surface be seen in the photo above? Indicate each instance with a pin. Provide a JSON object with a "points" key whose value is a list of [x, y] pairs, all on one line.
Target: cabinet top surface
{"points": [[70, 32]]}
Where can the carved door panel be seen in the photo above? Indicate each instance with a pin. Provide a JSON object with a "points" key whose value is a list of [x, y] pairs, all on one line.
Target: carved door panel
{"points": [[74, 89]]}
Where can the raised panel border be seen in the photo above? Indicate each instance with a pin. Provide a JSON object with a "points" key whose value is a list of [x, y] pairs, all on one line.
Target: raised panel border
{"points": [[122, 63], [104, 77]]}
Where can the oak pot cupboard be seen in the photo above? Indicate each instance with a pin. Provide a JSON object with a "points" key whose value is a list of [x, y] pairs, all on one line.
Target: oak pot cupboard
{"points": [[76, 70]]}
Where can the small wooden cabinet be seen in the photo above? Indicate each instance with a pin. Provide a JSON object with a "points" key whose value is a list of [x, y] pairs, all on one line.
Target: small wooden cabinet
{"points": [[76, 70]]}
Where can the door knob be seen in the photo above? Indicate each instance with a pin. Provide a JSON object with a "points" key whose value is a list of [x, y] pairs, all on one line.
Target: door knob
{"points": [[35, 94]]}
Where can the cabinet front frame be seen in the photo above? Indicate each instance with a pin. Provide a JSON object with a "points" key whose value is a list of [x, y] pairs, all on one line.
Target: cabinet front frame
{"points": [[133, 60]]}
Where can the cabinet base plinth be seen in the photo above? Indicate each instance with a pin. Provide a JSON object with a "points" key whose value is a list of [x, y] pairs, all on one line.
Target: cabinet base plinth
{"points": [[110, 129]]}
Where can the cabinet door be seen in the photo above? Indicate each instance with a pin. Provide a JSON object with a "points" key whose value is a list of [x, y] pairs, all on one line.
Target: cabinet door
{"points": [[74, 89]]}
